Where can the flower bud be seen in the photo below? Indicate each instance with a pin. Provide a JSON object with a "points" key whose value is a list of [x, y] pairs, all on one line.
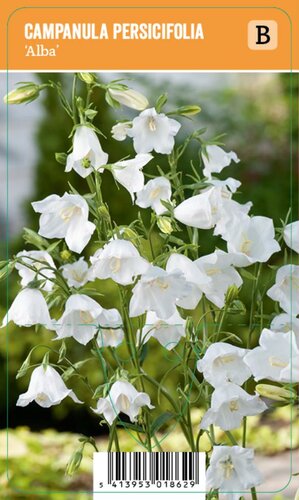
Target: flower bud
{"points": [[34, 239], [164, 224], [231, 294], [88, 78], [74, 462], [130, 234], [188, 110], [6, 267], [130, 98], [25, 93], [65, 255], [275, 392], [104, 213]]}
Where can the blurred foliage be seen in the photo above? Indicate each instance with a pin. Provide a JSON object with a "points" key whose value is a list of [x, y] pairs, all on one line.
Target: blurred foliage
{"points": [[254, 111], [37, 461]]}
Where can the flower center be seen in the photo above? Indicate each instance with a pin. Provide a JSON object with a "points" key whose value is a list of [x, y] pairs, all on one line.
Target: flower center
{"points": [[77, 276], [68, 212], [155, 193], [233, 405], [160, 283], [115, 264], [277, 363], [224, 360], [246, 245], [85, 162], [41, 397], [124, 402], [86, 317], [152, 124], [228, 468], [212, 271]]}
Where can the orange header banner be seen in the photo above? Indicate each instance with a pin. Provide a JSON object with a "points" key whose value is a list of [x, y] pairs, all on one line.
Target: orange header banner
{"points": [[136, 37]]}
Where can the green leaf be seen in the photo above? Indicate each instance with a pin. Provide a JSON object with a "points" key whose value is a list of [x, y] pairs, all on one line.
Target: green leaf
{"points": [[90, 113], [62, 352], [133, 427], [160, 421], [52, 247], [247, 274]]}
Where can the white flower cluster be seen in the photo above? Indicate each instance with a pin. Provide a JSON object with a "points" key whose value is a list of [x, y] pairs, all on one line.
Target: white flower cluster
{"points": [[161, 295]]}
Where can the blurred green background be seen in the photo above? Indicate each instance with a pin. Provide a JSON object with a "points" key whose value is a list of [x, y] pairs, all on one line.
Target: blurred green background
{"points": [[260, 118]]}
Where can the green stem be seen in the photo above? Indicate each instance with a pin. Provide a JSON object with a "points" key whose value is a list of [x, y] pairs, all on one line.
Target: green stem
{"points": [[244, 432], [253, 494], [231, 438], [74, 108]]}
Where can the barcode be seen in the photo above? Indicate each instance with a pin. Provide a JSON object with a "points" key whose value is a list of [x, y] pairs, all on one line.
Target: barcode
{"points": [[178, 471], [157, 466]]}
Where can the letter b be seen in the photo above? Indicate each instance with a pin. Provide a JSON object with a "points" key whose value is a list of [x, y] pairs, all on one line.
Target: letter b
{"points": [[262, 35]]}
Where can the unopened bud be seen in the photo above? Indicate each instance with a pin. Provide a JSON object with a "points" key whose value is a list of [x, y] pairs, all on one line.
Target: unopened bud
{"points": [[188, 110], [104, 212], [34, 239], [130, 98], [231, 294], [130, 234], [88, 78], [275, 392], [75, 461], [6, 267], [26, 93], [164, 224], [65, 255]]}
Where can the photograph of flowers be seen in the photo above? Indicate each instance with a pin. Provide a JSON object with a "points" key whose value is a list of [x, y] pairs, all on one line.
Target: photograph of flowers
{"points": [[150, 278]]}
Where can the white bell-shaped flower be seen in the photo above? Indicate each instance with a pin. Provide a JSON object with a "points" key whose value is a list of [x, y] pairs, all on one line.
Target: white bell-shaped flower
{"points": [[79, 320], [217, 266], [291, 236], [129, 173], [77, 273], [168, 332], [250, 240], [119, 130], [29, 308], [285, 323], [110, 325], [87, 155], [285, 289], [158, 290], [195, 277], [65, 217], [153, 192], [276, 358], [232, 471], [229, 404], [46, 388], [118, 260], [122, 398], [40, 261], [215, 159], [153, 131], [213, 207], [222, 363]]}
